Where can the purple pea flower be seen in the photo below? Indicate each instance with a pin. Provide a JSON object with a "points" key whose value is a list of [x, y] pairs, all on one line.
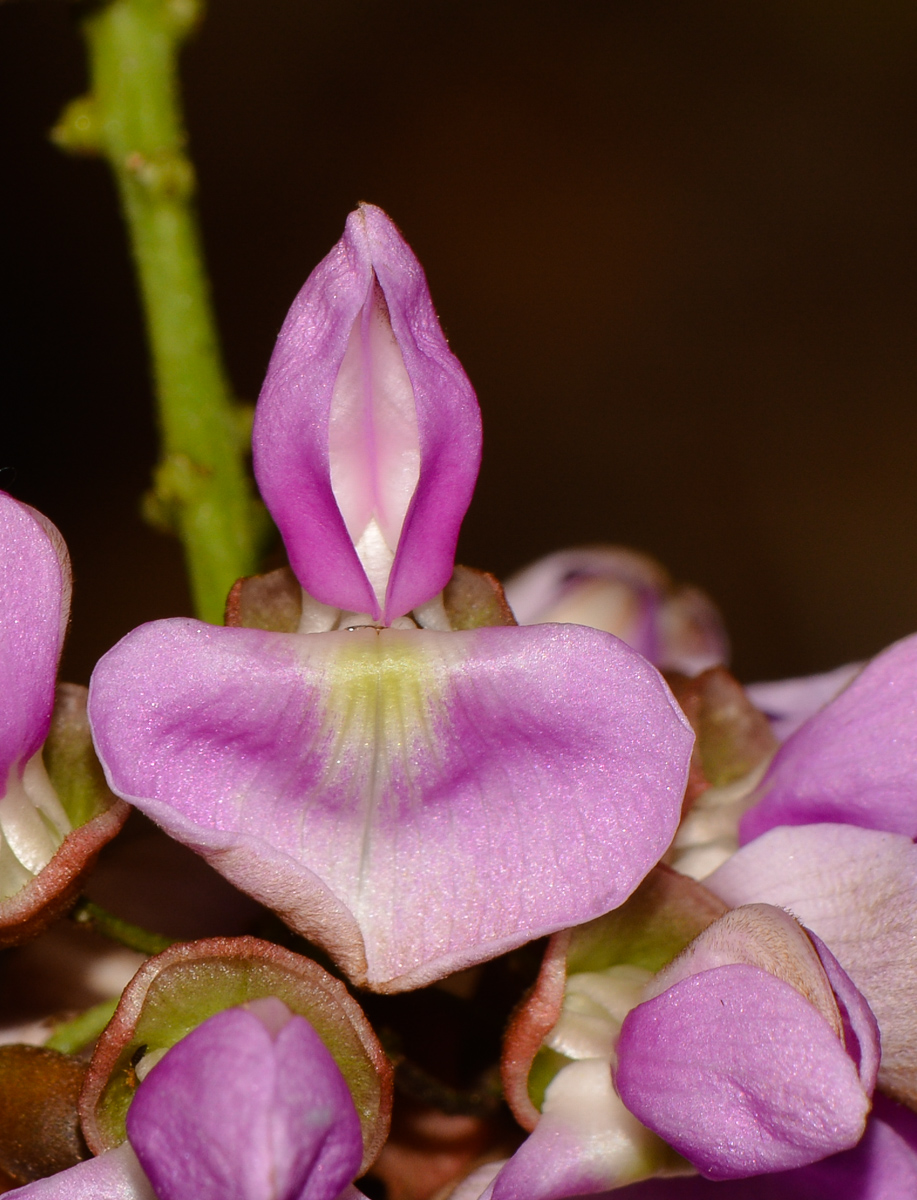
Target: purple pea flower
{"points": [[414, 798], [750, 1052], [831, 839], [857, 889], [249, 1106], [627, 594]]}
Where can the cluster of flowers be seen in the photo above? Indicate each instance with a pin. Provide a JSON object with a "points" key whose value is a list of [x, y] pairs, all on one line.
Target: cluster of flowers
{"points": [[418, 776]]}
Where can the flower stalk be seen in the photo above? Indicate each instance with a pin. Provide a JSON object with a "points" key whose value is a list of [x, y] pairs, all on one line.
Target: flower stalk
{"points": [[133, 118], [70, 1037], [93, 916]]}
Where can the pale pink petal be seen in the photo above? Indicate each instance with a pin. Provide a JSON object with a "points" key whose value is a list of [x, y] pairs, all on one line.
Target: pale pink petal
{"points": [[477, 1185], [857, 890], [115, 1175], [627, 594], [415, 801], [585, 1142]]}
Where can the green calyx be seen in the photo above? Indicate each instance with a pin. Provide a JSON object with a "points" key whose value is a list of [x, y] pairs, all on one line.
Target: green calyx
{"points": [[174, 993], [666, 913], [470, 600], [70, 759]]}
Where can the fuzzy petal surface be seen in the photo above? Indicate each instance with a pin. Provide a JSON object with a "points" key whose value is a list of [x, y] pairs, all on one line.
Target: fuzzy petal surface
{"points": [[34, 607], [883, 1166], [240, 1111], [857, 890], [416, 801], [116, 1175], [854, 761], [740, 1074], [372, 429]]}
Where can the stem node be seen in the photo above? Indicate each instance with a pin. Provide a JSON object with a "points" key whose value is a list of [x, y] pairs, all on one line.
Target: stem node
{"points": [[201, 489]]}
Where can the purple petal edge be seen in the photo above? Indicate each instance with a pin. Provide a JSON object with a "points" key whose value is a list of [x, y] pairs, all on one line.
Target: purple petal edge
{"points": [[290, 438], [448, 417], [740, 1074], [883, 1166], [861, 1029], [115, 1175], [34, 608], [290, 435]]}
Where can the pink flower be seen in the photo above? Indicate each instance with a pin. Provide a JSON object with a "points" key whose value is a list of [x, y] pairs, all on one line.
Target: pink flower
{"points": [[413, 797], [248, 1106]]}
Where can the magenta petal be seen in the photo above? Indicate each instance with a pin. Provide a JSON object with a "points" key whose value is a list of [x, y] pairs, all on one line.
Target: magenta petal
{"points": [[788, 703], [738, 1072], [856, 889], [416, 801], [290, 438], [238, 1111], [855, 761], [34, 607], [861, 1029], [116, 1175], [294, 418], [448, 418]]}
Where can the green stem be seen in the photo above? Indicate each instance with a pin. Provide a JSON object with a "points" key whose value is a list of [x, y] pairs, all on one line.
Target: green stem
{"points": [[133, 117], [93, 916], [71, 1036]]}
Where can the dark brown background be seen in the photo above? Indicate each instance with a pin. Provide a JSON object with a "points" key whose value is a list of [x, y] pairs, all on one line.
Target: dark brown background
{"points": [[673, 243]]}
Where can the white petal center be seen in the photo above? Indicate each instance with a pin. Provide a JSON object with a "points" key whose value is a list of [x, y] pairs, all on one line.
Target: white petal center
{"points": [[373, 440], [32, 825]]}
